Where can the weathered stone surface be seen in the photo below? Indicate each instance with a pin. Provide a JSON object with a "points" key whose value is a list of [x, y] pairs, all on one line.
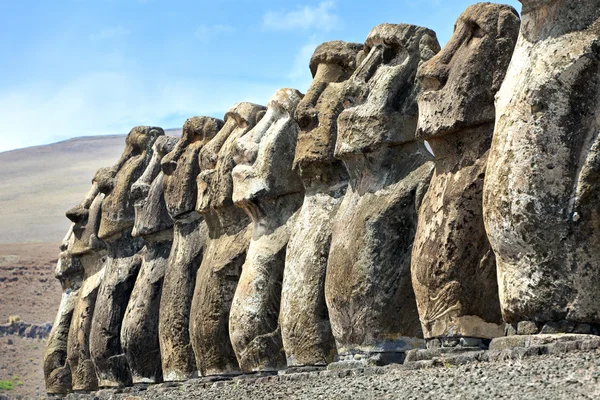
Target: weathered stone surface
{"points": [[229, 232], [92, 254], [69, 272], [368, 290], [305, 329], [541, 197], [123, 261], [511, 342], [181, 168], [267, 187], [527, 328], [139, 331], [453, 266]]}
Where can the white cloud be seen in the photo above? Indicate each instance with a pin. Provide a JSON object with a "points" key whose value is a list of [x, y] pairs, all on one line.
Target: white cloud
{"points": [[109, 33], [205, 33], [320, 17], [112, 103]]}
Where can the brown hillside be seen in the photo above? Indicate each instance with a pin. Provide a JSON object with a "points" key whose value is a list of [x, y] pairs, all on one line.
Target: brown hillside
{"points": [[38, 184]]}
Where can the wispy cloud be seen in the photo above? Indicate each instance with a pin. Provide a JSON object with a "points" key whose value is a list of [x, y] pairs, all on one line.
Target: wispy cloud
{"points": [[205, 33], [100, 103], [109, 33], [320, 17]]}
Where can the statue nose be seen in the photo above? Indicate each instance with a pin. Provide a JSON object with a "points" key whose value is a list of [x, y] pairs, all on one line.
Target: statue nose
{"points": [[77, 214]]}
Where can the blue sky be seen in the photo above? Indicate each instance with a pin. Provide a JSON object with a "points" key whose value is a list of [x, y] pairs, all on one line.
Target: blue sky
{"points": [[92, 67]]}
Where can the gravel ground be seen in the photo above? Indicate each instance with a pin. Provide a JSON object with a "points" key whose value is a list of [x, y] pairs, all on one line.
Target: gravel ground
{"points": [[574, 375]]}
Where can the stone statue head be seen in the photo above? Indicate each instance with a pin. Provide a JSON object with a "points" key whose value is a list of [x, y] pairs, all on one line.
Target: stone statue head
{"points": [[265, 154], [181, 167], [118, 212], [458, 85], [380, 97], [68, 268], [215, 184], [86, 219], [331, 63], [151, 214]]}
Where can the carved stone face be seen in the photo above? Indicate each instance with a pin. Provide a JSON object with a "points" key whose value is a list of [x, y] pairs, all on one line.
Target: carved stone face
{"points": [[459, 84], [151, 214], [380, 97], [215, 184], [67, 264], [117, 208], [86, 219], [265, 154], [332, 62], [181, 166]]}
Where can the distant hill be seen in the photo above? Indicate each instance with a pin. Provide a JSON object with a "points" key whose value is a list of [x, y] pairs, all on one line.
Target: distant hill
{"points": [[39, 184]]}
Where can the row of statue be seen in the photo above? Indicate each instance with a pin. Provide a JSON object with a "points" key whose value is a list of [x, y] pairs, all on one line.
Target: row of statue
{"points": [[320, 228]]}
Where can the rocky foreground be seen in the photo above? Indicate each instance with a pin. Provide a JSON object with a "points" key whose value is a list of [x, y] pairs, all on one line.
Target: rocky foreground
{"points": [[514, 374]]}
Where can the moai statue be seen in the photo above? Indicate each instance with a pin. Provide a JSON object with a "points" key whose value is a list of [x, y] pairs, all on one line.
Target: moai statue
{"points": [[181, 169], [305, 329], [139, 332], [542, 188], [69, 272], [229, 233], [268, 188], [91, 252], [453, 266], [124, 262], [368, 288]]}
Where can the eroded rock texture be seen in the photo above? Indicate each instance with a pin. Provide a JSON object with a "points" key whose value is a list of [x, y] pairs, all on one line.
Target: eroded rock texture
{"points": [[69, 271], [92, 255], [368, 288], [229, 232], [181, 170], [267, 187], [139, 332], [305, 329], [541, 193], [123, 262], [453, 266]]}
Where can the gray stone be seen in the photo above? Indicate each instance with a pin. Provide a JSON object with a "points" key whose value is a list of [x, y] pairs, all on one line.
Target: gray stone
{"points": [[527, 328], [583, 329], [305, 328], [181, 169], [139, 331], [558, 327], [69, 272], [511, 342], [267, 187], [368, 288], [123, 261], [541, 194], [453, 266], [229, 233], [92, 254], [510, 329]]}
